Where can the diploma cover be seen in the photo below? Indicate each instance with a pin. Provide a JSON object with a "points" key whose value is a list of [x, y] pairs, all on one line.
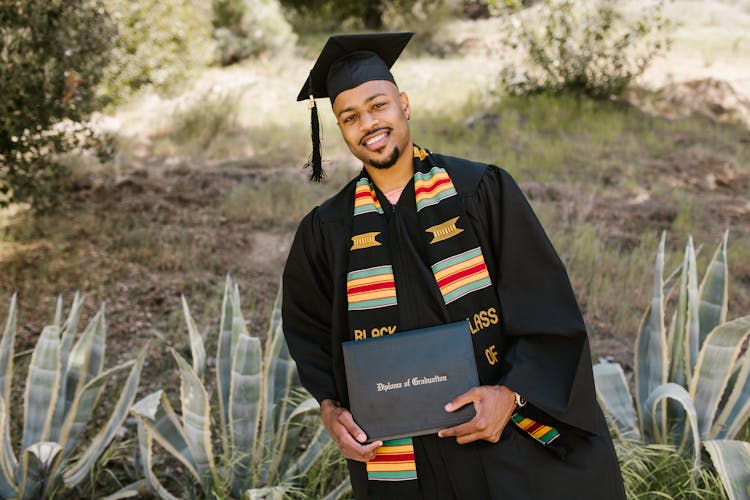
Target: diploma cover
{"points": [[399, 384]]}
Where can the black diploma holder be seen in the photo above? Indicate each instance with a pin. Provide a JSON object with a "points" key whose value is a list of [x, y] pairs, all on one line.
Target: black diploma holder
{"points": [[399, 384]]}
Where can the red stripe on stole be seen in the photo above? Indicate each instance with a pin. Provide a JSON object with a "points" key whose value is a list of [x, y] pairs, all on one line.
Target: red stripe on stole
{"points": [[370, 288], [466, 272], [363, 194], [429, 189], [400, 457], [530, 429]]}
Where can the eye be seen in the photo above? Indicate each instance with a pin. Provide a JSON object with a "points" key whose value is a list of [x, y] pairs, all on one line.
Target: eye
{"points": [[379, 105], [349, 118]]}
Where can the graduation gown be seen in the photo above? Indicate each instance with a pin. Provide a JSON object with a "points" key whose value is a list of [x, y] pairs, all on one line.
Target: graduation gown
{"points": [[545, 351]]}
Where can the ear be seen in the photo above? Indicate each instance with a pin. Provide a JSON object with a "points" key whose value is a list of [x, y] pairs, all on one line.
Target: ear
{"points": [[404, 99]]}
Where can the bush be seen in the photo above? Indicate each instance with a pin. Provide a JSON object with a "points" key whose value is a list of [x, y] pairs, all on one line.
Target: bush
{"points": [[51, 57], [421, 16], [159, 43], [584, 48], [370, 12], [692, 379], [269, 434], [65, 383], [248, 28]]}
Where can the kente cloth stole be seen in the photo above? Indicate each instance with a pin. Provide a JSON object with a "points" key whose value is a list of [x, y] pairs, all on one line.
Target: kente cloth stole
{"points": [[461, 276]]}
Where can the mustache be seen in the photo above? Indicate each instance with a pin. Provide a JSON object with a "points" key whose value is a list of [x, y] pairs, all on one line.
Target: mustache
{"points": [[387, 129]]}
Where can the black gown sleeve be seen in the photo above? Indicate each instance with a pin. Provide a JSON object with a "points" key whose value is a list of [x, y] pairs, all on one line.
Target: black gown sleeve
{"points": [[546, 355], [306, 309]]}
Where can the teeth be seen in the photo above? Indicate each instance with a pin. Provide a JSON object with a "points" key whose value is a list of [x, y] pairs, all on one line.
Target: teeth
{"points": [[375, 139]]}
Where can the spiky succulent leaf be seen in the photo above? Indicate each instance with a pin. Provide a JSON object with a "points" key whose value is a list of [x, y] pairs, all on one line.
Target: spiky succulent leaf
{"points": [[66, 341], [163, 424], [344, 489], [71, 327], [224, 359], [196, 420], [42, 384], [279, 378], [83, 406], [6, 351], [37, 462], [57, 319], [197, 350], [305, 461], [651, 344], [614, 395], [651, 418], [731, 460], [245, 405], [692, 325], [714, 291], [8, 464], [138, 489], [81, 468], [7, 358], [736, 411], [86, 357], [289, 436], [683, 341], [268, 493], [715, 366], [145, 446]]}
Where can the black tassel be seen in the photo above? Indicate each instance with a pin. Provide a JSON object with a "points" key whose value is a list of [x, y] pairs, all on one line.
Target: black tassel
{"points": [[315, 162]]}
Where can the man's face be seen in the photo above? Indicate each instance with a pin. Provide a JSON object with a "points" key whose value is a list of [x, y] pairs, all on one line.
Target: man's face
{"points": [[373, 118]]}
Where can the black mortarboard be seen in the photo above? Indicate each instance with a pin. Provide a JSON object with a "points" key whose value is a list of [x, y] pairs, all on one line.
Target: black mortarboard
{"points": [[345, 62]]}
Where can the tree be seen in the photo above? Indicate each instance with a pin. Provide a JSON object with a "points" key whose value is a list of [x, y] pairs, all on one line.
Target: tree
{"points": [[52, 53], [370, 12]]}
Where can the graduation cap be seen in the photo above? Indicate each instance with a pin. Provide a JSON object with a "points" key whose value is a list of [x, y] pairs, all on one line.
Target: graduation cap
{"points": [[345, 62]]}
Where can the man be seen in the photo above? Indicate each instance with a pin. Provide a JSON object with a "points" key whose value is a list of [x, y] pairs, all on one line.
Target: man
{"points": [[420, 239]]}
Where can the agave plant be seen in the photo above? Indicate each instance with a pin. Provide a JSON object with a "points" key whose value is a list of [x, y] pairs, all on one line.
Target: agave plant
{"points": [[692, 383], [256, 450], [65, 382]]}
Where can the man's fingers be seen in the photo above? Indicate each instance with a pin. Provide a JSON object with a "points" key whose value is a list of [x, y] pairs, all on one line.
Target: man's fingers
{"points": [[356, 451], [476, 436], [463, 399], [460, 430], [345, 418]]}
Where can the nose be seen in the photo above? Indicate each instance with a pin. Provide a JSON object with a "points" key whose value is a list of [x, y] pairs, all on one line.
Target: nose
{"points": [[367, 121]]}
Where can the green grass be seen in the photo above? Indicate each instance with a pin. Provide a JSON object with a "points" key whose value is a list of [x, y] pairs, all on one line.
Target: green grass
{"points": [[658, 471], [554, 139]]}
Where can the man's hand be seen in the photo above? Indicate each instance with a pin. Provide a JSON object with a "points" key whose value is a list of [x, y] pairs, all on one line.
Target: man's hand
{"points": [[494, 405], [347, 435]]}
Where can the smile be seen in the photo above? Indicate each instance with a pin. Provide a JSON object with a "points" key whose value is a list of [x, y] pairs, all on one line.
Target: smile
{"points": [[377, 140]]}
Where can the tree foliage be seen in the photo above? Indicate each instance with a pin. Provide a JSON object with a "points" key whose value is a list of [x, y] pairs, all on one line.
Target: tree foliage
{"points": [[159, 43], [52, 53], [584, 47], [370, 12], [247, 28]]}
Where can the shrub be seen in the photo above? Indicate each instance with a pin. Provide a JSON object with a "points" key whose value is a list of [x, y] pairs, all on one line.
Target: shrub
{"points": [[261, 423], [369, 12], [422, 16], [159, 43], [692, 380], [51, 57], [584, 48], [65, 383], [248, 28]]}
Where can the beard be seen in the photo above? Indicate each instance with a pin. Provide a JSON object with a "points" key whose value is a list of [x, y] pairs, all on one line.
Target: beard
{"points": [[388, 162]]}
